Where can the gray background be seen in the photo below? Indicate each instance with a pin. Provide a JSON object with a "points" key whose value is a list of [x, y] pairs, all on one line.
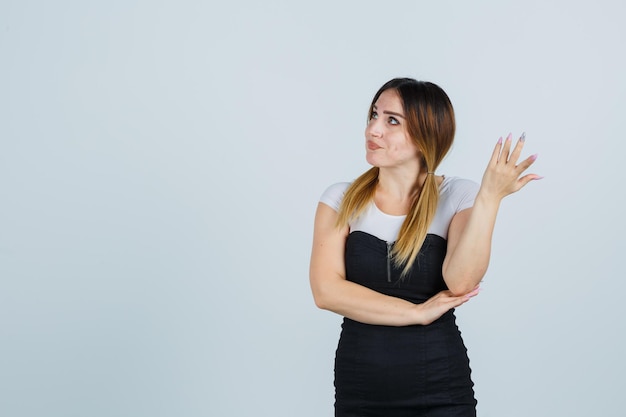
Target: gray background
{"points": [[160, 164]]}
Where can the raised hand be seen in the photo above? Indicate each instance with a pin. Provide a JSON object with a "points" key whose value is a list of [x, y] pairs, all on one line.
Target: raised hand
{"points": [[503, 175]]}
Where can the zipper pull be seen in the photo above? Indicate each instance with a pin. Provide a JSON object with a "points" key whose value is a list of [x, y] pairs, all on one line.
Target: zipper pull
{"points": [[389, 245]]}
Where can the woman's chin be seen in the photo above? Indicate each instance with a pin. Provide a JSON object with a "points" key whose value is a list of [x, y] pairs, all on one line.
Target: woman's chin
{"points": [[372, 159]]}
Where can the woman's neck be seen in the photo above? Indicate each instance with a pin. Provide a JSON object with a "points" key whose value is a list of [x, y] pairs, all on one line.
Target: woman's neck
{"points": [[396, 190], [400, 184]]}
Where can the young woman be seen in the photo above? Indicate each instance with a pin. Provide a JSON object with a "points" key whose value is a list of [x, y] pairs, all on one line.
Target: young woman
{"points": [[395, 252]]}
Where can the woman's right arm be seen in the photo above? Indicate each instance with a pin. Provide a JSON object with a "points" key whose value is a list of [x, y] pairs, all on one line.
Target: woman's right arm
{"points": [[333, 292]]}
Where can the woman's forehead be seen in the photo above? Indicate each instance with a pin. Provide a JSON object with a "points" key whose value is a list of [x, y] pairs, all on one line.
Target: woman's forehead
{"points": [[389, 100]]}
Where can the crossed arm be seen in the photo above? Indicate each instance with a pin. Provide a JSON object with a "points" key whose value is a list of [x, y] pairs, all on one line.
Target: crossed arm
{"points": [[469, 248], [333, 292]]}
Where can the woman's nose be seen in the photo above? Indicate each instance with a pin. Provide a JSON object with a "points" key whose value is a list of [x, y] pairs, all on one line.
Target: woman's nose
{"points": [[374, 128]]}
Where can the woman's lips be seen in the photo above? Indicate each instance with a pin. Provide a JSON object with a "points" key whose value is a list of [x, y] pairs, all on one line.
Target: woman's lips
{"points": [[372, 146]]}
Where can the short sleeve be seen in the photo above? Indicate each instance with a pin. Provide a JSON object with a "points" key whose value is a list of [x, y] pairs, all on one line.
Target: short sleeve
{"points": [[464, 192], [333, 195]]}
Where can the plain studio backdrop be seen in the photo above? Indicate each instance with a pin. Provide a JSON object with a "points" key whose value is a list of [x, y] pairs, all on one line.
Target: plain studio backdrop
{"points": [[161, 162]]}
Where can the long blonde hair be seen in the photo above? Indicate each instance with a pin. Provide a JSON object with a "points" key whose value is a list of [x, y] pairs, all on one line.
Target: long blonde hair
{"points": [[431, 126]]}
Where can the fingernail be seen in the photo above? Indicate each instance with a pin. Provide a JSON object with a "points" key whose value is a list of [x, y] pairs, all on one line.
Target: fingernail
{"points": [[509, 137], [533, 157], [537, 178], [500, 141], [523, 137]]}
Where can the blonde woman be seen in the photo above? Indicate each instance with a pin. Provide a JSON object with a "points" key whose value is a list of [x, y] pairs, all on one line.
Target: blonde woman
{"points": [[395, 252]]}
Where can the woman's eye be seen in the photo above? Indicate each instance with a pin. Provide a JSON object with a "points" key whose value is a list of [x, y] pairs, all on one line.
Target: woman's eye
{"points": [[374, 115], [393, 121]]}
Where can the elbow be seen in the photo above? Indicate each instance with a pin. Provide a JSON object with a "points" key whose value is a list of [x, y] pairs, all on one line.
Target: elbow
{"points": [[464, 283], [321, 299], [320, 303], [458, 290], [325, 290]]}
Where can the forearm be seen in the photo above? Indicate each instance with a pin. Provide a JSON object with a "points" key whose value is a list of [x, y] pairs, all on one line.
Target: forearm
{"points": [[468, 257], [467, 262], [364, 305]]}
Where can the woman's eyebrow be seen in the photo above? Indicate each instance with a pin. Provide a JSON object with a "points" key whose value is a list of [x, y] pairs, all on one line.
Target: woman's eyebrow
{"points": [[394, 114], [389, 112]]}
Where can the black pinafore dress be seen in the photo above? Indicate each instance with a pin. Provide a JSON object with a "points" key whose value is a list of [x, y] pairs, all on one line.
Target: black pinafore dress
{"points": [[401, 371]]}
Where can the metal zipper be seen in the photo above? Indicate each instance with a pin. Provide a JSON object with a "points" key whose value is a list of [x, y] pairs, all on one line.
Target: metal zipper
{"points": [[389, 245]]}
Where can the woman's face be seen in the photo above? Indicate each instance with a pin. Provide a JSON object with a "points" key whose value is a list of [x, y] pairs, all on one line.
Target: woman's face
{"points": [[387, 143]]}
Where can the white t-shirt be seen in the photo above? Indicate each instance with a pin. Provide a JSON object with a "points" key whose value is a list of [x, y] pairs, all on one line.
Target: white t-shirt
{"points": [[455, 194]]}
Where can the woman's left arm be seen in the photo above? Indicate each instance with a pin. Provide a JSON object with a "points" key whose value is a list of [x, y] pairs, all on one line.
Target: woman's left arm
{"points": [[471, 230]]}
